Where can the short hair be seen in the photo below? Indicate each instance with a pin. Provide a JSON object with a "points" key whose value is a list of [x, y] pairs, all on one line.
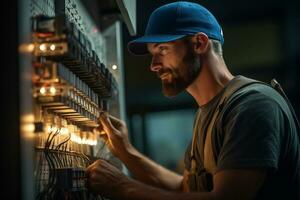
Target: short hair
{"points": [[217, 47]]}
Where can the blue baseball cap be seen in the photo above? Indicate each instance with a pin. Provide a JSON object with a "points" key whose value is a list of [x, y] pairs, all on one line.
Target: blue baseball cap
{"points": [[174, 21]]}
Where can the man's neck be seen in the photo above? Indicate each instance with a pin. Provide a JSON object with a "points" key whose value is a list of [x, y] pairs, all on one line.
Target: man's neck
{"points": [[211, 80]]}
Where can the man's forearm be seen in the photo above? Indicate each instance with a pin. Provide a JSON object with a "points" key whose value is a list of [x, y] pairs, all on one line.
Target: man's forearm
{"points": [[134, 190], [149, 172]]}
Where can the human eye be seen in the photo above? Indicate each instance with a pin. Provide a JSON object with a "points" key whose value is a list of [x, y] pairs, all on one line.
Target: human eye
{"points": [[163, 50]]}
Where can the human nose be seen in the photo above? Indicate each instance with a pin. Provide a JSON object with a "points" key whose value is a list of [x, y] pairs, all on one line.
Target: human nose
{"points": [[155, 65]]}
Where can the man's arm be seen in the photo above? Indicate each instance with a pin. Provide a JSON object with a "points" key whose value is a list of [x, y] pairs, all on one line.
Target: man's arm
{"points": [[150, 172], [228, 185], [139, 165]]}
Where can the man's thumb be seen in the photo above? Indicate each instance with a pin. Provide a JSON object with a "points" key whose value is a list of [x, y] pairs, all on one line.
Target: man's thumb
{"points": [[106, 123]]}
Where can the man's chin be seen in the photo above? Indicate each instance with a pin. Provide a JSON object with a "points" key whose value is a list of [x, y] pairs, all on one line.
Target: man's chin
{"points": [[171, 92]]}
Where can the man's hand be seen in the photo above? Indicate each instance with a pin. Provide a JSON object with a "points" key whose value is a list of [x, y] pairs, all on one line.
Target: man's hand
{"points": [[142, 168], [104, 178], [116, 135]]}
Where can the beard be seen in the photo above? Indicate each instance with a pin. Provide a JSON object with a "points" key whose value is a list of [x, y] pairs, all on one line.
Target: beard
{"points": [[181, 76]]}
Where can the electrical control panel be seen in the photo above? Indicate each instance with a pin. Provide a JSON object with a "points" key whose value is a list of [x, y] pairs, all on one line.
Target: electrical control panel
{"points": [[71, 82]]}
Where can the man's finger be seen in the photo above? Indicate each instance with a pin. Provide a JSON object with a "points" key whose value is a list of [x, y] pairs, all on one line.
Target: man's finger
{"points": [[106, 123], [100, 127], [115, 121], [97, 162], [88, 169]]}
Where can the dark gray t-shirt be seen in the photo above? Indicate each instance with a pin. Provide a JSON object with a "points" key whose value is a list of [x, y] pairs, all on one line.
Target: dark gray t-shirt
{"points": [[255, 130]]}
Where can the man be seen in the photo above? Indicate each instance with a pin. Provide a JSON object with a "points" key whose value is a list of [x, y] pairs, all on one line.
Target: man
{"points": [[254, 141]]}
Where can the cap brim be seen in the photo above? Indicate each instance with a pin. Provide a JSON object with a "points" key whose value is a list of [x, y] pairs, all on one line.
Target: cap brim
{"points": [[139, 46]]}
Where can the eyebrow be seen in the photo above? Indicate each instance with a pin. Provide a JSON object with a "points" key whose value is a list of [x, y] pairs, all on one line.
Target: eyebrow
{"points": [[157, 44], [154, 45]]}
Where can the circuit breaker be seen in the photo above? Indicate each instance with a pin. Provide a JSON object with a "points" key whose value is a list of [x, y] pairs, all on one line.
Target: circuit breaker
{"points": [[71, 82]]}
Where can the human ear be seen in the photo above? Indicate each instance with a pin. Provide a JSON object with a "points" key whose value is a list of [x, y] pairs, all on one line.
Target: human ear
{"points": [[201, 43]]}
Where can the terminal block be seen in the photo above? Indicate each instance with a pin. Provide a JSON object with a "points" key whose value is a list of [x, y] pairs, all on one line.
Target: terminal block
{"points": [[57, 39], [69, 78]]}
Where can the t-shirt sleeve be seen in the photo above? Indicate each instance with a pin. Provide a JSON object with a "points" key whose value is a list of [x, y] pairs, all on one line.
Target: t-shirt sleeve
{"points": [[252, 130]]}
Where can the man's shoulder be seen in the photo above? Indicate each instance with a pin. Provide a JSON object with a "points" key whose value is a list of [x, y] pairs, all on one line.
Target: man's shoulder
{"points": [[254, 98], [258, 92]]}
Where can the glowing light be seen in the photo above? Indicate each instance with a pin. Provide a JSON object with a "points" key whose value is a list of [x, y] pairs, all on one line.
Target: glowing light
{"points": [[48, 129], [51, 129], [75, 138], [26, 48], [27, 123], [30, 47], [52, 47], [64, 131], [114, 67], [91, 142], [102, 132], [27, 126], [43, 47], [52, 90], [94, 143], [43, 90], [27, 118]]}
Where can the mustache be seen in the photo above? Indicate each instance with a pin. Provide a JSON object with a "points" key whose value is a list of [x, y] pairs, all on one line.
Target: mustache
{"points": [[163, 71]]}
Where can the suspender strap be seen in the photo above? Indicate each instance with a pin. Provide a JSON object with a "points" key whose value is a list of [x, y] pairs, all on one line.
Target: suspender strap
{"points": [[209, 159], [194, 141]]}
